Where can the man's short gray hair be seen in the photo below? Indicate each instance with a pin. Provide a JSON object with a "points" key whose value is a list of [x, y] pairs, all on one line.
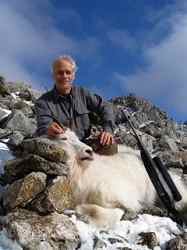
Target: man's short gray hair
{"points": [[65, 58]]}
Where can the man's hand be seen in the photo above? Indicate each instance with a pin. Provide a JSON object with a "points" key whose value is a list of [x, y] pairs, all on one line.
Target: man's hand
{"points": [[54, 129], [106, 138]]}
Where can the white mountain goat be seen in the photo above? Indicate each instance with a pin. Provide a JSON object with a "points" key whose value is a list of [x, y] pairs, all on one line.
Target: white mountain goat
{"points": [[104, 187]]}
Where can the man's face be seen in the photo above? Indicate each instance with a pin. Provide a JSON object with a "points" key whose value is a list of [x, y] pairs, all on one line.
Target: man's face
{"points": [[64, 75]]}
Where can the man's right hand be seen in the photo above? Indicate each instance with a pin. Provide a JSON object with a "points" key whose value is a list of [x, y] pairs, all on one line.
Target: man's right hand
{"points": [[54, 129]]}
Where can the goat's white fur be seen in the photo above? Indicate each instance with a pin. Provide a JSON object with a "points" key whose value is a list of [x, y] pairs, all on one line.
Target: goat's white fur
{"points": [[105, 186]]}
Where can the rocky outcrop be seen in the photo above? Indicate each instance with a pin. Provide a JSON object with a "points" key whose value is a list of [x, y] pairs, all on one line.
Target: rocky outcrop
{"points": [[22, 191], [36, 204], [178, 243], [35, 232], [161, 135], [20, 167], [39, 179]]}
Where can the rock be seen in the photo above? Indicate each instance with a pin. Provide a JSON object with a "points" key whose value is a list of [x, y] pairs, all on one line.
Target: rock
{"points": [[184, 142], [18, 168], [55, 231], [170, 159], [30, 95], [127, 137], [143, 112], [17, 86], [155, 210], [24, 107], [99, 244], [24, 190], [149, 239], [178, 243], [151, 128], [148, 141], [57, 197], [147, 111], [16, 138], [183, 156], [124, 137], [168, 143], [2, 80], [26, 95], [4, 133], [7, 102], [46, 148], [39, 245], [4, 91], [21, 123]]}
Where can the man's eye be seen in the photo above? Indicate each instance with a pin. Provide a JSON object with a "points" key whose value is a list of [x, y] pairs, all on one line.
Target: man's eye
{"points": [[62, 72]]}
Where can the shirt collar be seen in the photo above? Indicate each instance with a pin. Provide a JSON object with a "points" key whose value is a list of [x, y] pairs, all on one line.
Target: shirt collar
{"points": [[57, 95]]}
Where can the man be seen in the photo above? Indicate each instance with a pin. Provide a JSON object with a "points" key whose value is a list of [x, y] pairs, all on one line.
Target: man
{"points": [[71, 105]]}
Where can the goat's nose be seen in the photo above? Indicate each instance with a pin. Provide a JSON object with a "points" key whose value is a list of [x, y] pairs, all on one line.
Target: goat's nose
{"points": [[89, 151]]}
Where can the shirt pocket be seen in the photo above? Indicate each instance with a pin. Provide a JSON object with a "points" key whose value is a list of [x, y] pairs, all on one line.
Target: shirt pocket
{"points": [[82, 115], [80, 108]]}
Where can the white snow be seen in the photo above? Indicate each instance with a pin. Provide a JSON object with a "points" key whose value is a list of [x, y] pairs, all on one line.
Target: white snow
{"points": [[127, 233], [14, 95], [3, 146], [4, 113], [5, 154], [6, 243], [146, 123]]}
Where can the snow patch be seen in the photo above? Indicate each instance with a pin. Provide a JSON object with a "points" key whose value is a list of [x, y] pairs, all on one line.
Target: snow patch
{"points": [[5, 154], [13, 95], [126, 233], [4, 113], [6, 243]]}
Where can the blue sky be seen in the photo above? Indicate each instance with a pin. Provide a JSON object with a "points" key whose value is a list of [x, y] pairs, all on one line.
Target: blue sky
{"points": [[121, 47]]}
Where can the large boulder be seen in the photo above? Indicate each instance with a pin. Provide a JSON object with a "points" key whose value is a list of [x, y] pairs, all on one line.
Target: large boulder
{"points": [[35, 232], [169, 143], [22, 191], [46, 148], [177, 243], [18, 168], [22, 123], [56, 197], [142, 113]]}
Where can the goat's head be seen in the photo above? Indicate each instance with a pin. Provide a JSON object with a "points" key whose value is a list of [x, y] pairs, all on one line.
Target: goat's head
{"points": [[75, 149]]}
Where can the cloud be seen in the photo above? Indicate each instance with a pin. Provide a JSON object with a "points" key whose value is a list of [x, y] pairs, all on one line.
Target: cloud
{"points": [[164, 78], [30, 39], [122, 39]]}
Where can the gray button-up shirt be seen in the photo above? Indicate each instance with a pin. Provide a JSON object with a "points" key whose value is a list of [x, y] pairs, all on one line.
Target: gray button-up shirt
{"points": [[72, 110]]}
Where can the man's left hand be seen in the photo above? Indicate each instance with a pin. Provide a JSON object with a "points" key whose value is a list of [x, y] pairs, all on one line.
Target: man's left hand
{"points": [[106, 138]]}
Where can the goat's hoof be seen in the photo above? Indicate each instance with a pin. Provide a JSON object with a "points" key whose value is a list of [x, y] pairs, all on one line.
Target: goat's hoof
{"points": [[129, 215]]}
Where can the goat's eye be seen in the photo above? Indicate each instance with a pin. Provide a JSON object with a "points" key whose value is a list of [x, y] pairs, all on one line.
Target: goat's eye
{"points": [[64, 138]]}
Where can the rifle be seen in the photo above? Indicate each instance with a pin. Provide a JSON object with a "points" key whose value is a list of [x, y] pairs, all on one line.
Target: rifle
{"points": [[159, 176]]}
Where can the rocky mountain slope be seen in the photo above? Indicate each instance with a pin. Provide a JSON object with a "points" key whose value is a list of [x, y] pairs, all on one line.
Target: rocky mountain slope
{"points": [[35, 193]]}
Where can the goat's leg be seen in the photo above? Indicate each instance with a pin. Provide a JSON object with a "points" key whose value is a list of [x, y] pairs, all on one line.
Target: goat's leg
{"points": [[100, 216]]}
